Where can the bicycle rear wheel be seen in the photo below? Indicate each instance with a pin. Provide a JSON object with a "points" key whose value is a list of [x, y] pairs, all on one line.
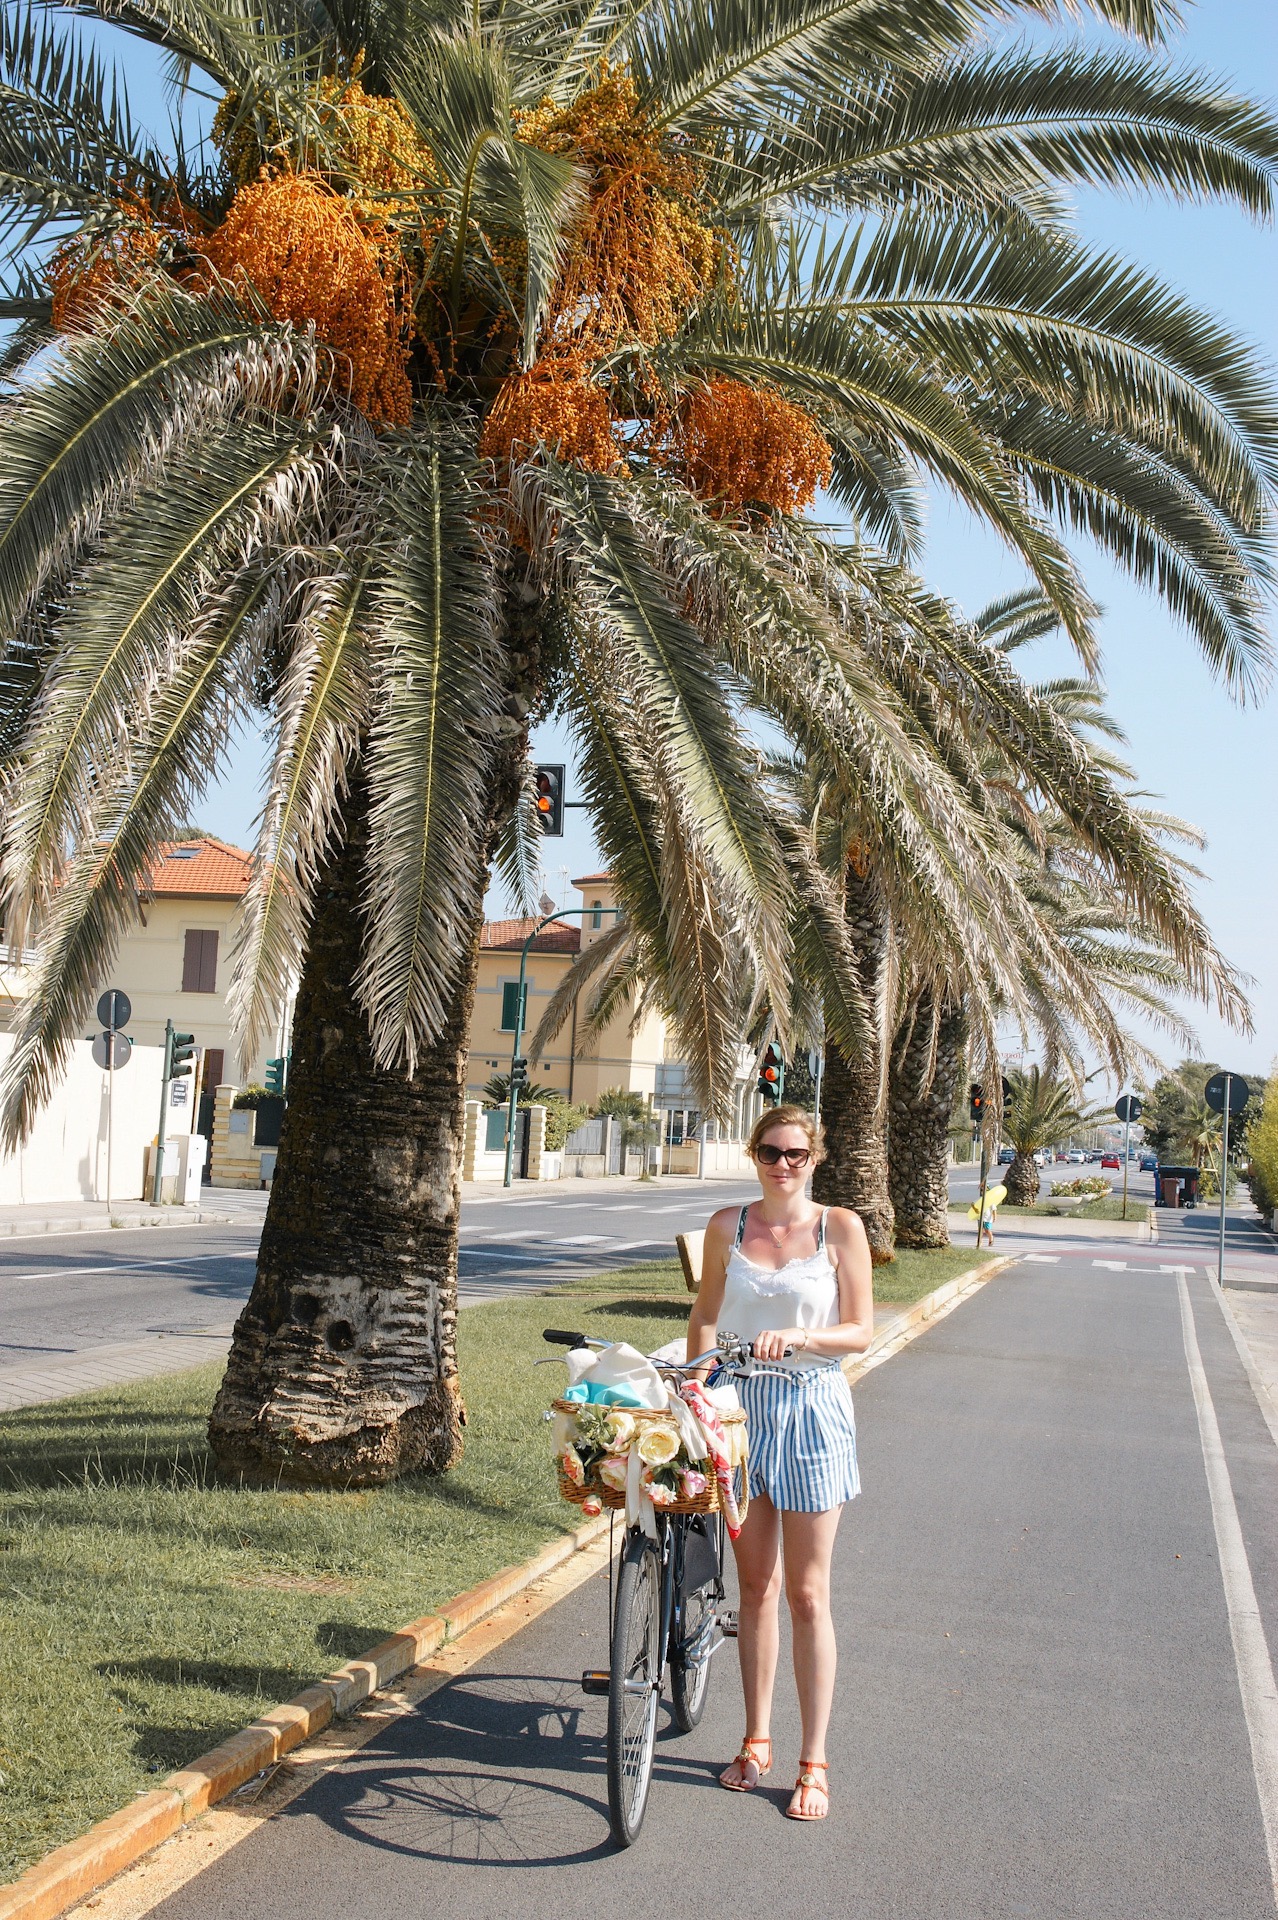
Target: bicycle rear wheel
{"points": [[697, 1597], [634, 1691]]}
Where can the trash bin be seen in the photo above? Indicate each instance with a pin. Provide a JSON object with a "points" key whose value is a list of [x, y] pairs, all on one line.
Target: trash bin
{"points": [[1170, 1184]]}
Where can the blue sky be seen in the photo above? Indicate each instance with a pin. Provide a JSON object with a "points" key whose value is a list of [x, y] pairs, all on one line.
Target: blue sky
{"points": [[1210, 761]]}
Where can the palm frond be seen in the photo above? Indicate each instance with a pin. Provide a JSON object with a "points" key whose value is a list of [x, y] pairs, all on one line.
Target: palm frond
{"points": [[440, 698], [322, 709], [180, 740], [225, 494]]}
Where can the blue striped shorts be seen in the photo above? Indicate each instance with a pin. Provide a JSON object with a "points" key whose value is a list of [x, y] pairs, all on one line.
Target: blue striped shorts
{"points": [[802, 1438]]}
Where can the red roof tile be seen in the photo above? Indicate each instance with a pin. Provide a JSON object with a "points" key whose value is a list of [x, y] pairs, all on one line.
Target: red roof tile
{"points": [[508, 936], [209, 867], [594, 880]]}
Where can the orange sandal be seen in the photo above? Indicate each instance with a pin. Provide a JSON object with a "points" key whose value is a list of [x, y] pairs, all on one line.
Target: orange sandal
{"points": [[807, 1778], [747, 1759]]}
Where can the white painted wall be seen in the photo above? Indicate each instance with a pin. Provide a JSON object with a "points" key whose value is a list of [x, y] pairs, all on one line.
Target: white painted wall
{"points": [[66, 1156]]}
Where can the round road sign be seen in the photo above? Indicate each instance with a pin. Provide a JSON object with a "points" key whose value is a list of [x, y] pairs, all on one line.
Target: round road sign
{"points": [[1128, 1107], [119, 1043], [1239, 1092], [114, 1009]]}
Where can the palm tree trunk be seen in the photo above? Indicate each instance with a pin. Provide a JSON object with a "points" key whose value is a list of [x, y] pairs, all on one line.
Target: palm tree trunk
{"points": [[853, 1092], [343, 1368], [923, 1074], [1022, 1180]]}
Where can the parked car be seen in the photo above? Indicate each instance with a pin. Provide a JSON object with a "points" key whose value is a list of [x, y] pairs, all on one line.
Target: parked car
{"points": [[1076, 1157], [1149, 1163], [1110, 1160], [1006, 1155]]}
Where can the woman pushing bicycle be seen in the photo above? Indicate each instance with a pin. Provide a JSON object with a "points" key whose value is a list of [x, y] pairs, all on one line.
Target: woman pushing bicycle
{"points": [[788, 1275]]}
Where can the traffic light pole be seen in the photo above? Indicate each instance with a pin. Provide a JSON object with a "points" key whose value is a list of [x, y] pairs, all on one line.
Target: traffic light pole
{"points": [[569, 913], [158, 1176], [980, 1205]]}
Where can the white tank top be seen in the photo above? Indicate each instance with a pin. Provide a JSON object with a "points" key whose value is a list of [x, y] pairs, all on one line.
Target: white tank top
{"points": [[802, 1293]]}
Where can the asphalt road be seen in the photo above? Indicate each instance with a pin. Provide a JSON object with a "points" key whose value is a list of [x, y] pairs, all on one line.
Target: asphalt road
{"points": [[64, 1296], [1039, 1709]]}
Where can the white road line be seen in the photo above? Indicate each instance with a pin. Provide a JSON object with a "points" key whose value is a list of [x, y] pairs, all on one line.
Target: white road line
{"points": [[582, 1240], [1251, 1652], [122, 1267], [1176, 1269], [1043, 1259], [1264, 1399], [1114, 1266]]}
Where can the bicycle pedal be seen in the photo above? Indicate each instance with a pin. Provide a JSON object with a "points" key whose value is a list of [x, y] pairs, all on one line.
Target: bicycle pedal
{"points": [[596, 1682], [728, 1624]]}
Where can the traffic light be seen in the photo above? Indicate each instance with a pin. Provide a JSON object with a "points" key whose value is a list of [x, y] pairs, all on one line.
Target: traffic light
{"points": [[179, 1053], [277, 1075], [550, 798], [772, 1073], [976, 1103], [518, 1074]]}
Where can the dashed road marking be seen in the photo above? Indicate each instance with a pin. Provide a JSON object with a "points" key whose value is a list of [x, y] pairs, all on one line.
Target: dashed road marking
{"points": [[1043, 1259], [1114, 1266]]}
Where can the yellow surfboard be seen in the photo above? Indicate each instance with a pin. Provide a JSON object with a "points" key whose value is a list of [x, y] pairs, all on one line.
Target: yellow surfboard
{"points": [[994, 1197]]}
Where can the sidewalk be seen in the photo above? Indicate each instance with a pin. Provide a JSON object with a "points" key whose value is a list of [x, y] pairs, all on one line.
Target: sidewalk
{"points": [[94, 1216], [110, 1366]]}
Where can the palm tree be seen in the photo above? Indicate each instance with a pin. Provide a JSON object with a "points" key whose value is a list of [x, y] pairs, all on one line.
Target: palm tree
{"points": [[1040, 1112], [1127, 958], [479, 369]]}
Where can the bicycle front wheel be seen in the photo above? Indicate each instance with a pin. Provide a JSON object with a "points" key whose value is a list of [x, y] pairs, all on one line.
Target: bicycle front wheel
{"points": [[634, 1691]]}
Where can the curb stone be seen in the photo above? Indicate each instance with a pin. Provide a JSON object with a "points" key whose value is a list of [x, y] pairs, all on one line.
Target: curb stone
{"points": [[82, 1866], [72, 1223]]}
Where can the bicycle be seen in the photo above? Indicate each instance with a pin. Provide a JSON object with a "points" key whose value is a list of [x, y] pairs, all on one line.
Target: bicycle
{"points": [[666, 1611]]}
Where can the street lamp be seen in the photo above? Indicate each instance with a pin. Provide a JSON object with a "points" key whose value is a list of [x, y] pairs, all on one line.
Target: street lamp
{"points": [[569, 913]]}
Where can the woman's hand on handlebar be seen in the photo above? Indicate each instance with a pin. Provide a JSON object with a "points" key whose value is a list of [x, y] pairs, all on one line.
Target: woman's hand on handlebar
{"points": [[778, 1343]]}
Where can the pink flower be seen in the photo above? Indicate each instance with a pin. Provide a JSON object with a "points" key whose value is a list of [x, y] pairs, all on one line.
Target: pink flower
{"points": [[659, 1494], [694, 1484], [592, 1505], [612, 1471], [570, 1461]]}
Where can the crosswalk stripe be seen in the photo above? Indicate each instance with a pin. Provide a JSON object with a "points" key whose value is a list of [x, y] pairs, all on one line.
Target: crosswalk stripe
{"points": [[1044, 1259], [1114, 1266]]}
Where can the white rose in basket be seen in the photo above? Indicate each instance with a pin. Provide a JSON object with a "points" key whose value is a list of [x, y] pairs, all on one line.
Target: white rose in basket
{"points": [[612, 1471], [621, 1425], [658, 1444]]}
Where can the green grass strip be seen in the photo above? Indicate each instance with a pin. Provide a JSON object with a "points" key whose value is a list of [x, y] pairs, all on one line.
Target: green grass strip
{"points": [[147, 1612]]}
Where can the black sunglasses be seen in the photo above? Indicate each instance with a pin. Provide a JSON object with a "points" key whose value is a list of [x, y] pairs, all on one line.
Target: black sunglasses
{"points": [[793, 1156]]}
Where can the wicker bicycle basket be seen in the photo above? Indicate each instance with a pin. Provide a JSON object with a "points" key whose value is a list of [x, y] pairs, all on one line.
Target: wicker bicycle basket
{"points": [[614, 1497]]}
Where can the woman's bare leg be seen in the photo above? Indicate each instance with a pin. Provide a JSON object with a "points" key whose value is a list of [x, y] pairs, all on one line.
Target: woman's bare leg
{"points": [[758, 1553], [809, 1549]]}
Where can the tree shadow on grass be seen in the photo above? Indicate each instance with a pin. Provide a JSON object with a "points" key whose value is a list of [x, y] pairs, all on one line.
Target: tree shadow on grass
{"points": [[647, 1309], [215, 1676], [347, 1640]]}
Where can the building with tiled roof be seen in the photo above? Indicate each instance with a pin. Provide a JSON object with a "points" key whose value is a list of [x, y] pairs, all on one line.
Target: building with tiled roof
{"points": [[175, 963], [508, 936], [205, 866]]}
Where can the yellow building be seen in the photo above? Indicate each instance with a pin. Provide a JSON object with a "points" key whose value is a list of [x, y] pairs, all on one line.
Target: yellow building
{"points": [[580, 1068], [175, 963]]}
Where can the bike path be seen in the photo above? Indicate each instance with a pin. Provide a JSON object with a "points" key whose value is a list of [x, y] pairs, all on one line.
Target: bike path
{"points": [[1038, 1712]]}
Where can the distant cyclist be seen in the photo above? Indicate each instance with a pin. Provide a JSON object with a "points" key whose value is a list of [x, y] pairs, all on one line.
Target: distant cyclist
{"points": [[785, 1273]]}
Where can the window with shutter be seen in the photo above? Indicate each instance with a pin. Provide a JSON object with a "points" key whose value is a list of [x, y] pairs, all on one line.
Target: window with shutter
{"points": [[199, 960], [510, 1005]]}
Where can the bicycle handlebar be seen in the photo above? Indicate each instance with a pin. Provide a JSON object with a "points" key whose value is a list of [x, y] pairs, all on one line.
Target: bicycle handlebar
{"points": [[732, 1351]]}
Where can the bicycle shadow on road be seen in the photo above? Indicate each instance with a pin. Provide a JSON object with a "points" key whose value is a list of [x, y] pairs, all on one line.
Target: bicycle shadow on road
{"points": [[495, 1770]]}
